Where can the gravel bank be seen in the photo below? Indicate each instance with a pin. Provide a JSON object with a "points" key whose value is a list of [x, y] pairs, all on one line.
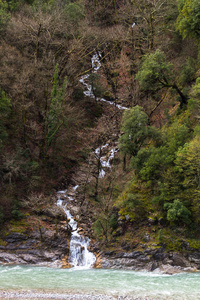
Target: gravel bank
{"points": [[50, 295]]}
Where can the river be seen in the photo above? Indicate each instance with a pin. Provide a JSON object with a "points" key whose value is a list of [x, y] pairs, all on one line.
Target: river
{"points": [[113, 283]]}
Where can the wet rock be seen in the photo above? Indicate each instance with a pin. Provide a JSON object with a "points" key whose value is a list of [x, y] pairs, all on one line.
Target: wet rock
{"points": [[153, 266], [54, 212], [119, 255], [167, 269], [167, 261], [134, 254], [11, 247], [109, 253], [146, 237], [30, 259], [9, 258], [185, 245], [143, 258], [161, 221], [159, 255], [179, 260], [152, 221], [149, 251], [126, 247], [127, 217], [16, 237], [194, 257], [105, 264]]}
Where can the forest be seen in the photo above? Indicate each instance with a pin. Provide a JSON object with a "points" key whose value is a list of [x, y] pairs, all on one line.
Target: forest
{"points": [[49, 128]]}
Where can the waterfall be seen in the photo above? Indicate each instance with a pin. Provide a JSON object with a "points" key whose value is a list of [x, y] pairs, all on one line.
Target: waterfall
{"points": [[96, 64], [79, 255], [104, 160]]}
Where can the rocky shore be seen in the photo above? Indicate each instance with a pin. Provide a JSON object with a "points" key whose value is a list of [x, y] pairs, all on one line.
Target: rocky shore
{"points": [[22, 250], [152, 260]]}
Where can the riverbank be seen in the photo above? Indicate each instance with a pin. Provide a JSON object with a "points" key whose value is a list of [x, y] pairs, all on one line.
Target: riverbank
{"points": [[152, 260], [51, 295]]}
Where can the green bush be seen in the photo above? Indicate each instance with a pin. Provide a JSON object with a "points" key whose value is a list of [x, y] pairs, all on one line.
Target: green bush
{"points": [[177, 212]]}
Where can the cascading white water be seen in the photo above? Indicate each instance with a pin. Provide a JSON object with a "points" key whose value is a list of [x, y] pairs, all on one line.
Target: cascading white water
{"points": [[96, 64], [104, 160], [79, 255]]}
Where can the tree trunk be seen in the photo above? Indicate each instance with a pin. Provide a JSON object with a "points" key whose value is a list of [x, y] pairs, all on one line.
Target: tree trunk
{"points": [[184, 99]]}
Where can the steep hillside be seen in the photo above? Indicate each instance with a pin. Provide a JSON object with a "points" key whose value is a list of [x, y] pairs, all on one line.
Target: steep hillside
{"points": [[140, 62]]}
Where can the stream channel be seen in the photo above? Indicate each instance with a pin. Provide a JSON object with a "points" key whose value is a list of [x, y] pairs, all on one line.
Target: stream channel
{"points": [[82, 281], [116, 284]]}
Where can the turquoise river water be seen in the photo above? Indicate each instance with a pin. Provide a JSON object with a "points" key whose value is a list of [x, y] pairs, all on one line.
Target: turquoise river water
{"points": [[101, 281]]}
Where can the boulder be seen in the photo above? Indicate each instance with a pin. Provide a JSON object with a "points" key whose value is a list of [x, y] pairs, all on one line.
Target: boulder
{"points": [[179, 260], [8, 258], [167, 269], [194, 257]]}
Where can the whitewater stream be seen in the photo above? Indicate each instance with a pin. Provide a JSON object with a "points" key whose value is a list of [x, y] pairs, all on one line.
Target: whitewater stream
{"points": [[112, 283]]}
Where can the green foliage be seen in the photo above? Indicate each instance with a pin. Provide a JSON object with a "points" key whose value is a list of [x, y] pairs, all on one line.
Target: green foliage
{"points": [[136, 131], [194, 101], [171, 168], [4, 15], [104, 225], [196, 89], [13, 5], [75, 12], [43, 5], [56, 118], [97, 88], [158, 160], [132, 202], [155, 72], [177, 212], [1, 216], [142, 156], [5, 104], [152, 162], [188, 21], [160, 236], [188, 162], [113, 222], [5, 108], [78, 94], [188, 71], [16, 214], [98, 230]]}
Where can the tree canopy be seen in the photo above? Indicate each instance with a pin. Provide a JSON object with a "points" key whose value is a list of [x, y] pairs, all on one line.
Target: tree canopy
{"points": [[136, 131], [188, 21]]}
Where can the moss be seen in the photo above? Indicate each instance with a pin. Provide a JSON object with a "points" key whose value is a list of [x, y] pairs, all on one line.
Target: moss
{"points": [[18, 225], [194, 244], [2, 243], [174, 245]]}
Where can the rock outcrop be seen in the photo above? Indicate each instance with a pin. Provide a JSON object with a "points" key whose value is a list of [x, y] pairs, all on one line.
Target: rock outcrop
{"points": [[154, 260]]}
